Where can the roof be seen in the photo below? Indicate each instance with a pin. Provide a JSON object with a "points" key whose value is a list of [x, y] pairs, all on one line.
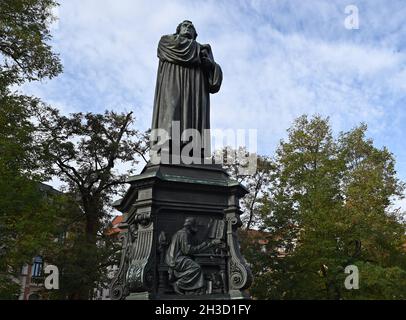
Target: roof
{"points": [[260, 237], [48, 189], [114, 228]]}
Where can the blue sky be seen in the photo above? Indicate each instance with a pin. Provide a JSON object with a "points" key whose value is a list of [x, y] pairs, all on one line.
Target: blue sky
{"points": [[280, 59]]}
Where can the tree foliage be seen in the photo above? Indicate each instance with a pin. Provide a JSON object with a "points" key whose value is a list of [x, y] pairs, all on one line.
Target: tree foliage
{"points": [[25, 211], [330, 206], [24, 41], [85, 150]]}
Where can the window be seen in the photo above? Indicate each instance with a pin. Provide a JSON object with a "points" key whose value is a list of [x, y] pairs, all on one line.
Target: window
{"points": [[37, 266]]}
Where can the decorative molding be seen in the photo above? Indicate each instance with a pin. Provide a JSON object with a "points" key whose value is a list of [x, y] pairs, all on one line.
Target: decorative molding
{"points": [[138, 276], [239, 276], [118, 285]]}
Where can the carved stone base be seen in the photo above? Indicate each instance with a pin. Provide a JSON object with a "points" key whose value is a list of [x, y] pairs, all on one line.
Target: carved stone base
{"points": [[155, 208]]}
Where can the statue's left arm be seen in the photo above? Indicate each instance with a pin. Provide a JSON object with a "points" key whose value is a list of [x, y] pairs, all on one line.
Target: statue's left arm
{"points": [[215, 79], [215, 74]]}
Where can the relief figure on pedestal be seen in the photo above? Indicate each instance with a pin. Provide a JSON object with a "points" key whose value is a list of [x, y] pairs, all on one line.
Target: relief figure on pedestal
{"points": [[185, 274]]}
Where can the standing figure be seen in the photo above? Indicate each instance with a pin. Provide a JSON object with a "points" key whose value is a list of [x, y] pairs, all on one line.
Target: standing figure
{"points": [[187, 74]]}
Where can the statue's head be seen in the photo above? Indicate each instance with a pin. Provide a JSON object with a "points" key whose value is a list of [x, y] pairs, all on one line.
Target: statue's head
{"points": [[190, 223], [187, 29]]}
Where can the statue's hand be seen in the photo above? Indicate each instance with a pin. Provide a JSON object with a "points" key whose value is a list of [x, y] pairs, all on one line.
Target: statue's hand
{"points": [[207, 57], [207, 63]]}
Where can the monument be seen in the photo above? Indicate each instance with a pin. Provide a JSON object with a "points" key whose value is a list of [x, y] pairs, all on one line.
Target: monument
{"points": [[180, 219]]}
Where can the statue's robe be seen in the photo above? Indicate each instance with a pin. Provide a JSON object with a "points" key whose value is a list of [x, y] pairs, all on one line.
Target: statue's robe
{"points": [[188, 274], [183, 85]]}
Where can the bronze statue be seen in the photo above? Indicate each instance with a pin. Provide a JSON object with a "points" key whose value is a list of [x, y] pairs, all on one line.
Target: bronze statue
{"points": [[187, 74], [185, 274], [160, 197]]}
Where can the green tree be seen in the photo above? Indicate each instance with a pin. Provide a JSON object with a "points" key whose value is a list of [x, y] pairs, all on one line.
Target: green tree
{"points": [[85, 150], [24, 41], [25, 56], [329, 207]]}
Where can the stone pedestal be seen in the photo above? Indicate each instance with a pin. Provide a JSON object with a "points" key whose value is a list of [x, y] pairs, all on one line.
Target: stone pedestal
{"points": [[155, 207]]}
